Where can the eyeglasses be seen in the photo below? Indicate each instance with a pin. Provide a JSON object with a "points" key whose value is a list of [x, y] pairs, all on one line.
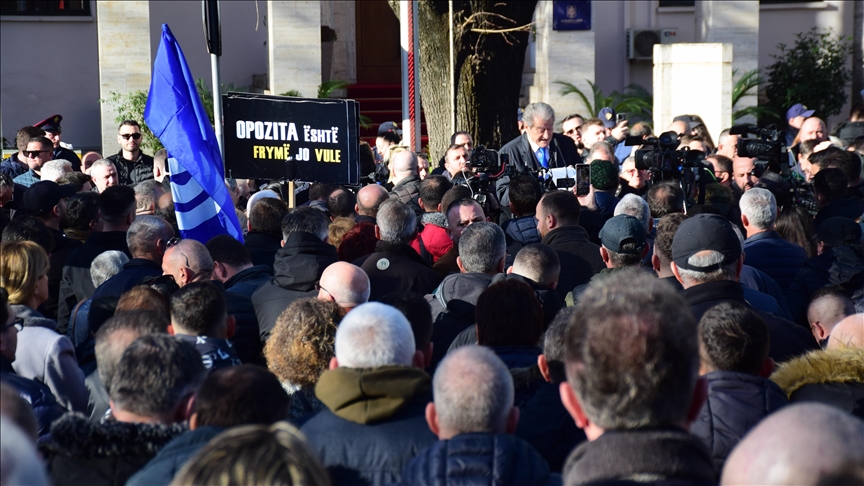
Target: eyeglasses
{"points": [[34, 153], [319, 288], [18, 324], [173, 242], [127, 136]]}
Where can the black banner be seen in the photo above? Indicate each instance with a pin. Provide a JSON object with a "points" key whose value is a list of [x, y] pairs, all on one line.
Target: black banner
{"points": [[299, 139]]}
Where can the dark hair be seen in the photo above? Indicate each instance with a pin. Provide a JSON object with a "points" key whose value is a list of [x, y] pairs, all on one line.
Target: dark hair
{"points": [[29, 228], [824, 157], [367, 159], [42, 141], [341, 203], [572, 116], [563, 205], [305, 220], [101, 309], [4, 311], [130, 123], [641, 129], [666, 228], [848, 162], [198, 308], [143, 297], [432, 191], [453, 137], [525, 193], [241, 395], [320, 190], [133, 324], [724, 162], [81, 210], [620, 260], [116, 203], [806, 148], [830, 184], [796, 225], [154, 374], [665, 198], [733, 338], [554, 343], [417, 311], [22, 138], [266, 215], [225, 249], [508, 313], [453, 196], [76, 178], [391, 137]]}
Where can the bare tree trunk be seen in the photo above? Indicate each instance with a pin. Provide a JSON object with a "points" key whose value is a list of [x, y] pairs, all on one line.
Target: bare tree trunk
{"points": [[488, 68]]}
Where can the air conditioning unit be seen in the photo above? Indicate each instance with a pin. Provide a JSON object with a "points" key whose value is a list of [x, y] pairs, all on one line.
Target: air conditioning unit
{"points": [[640, 43]]}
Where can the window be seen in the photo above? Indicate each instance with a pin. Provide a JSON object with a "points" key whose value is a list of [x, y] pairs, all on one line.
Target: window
{"points": [[45, 8]]}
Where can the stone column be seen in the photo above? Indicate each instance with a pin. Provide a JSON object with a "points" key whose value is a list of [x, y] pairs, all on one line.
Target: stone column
{"points": [[294, 41], [562, 56], [125, 63], [736, 23], [693, 79]]}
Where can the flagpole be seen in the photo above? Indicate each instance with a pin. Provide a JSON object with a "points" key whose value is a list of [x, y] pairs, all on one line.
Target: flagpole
{"points": [[217, 103], [213, 31]]}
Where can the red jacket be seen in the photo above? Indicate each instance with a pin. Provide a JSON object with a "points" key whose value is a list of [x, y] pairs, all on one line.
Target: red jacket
{"points": [[436, 240]]}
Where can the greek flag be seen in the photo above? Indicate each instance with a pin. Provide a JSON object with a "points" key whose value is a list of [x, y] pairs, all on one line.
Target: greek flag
{"points": [[176, 116]]}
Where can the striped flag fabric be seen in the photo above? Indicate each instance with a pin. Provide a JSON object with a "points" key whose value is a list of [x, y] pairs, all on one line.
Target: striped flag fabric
{"points": [[176, 116]]}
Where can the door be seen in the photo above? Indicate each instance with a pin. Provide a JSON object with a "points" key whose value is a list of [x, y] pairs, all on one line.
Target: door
{"points": [[378, 50]]}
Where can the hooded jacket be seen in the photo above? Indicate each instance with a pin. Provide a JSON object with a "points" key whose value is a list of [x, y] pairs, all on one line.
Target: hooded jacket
{"points": [[297, 267], [373, 425], [736, 403], [580, 259], [779, 258], [262, 247], [481, 460], [436, 239], [87, 453], [49, 358], [397, 268], [453, 304], [834, 376]]}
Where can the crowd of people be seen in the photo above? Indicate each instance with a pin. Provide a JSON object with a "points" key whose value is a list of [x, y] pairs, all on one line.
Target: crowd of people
{"points": [[414, 330]]}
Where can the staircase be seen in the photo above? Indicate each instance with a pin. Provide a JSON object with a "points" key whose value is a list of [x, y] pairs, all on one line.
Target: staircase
{"points": [[381, 103]]}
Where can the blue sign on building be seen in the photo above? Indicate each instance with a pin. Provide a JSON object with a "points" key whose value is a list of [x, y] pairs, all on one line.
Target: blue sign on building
{"points": [[571, 15]]}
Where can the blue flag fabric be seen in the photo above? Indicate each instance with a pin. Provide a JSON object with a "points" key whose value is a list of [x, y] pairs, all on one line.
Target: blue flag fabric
{"points": [[176, 116]]}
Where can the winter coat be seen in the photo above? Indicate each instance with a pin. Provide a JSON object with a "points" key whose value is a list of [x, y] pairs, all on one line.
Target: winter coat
{"points": [[788, 340], [296, 269], [842, 265], [436, 239], [49, 358], [736, 403], [453, 304], [97, 404], [77, 284], [666, 456], [758, 280], [247, 281], [519, 232], [479, 459], [545, 424], [246, 341], [834, 377], [131, 172], [374, 423], [134, 271], [408, 192], [63, 246], [42, 402], [262, 247], [580, 259], [91, 454], [358, 242], [397, 268], [171, 458], [215, 353], [447, 264], [774, 255], [851, 208]]}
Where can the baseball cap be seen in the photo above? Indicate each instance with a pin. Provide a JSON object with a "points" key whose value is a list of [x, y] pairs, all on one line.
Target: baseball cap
{"points": [[608, 116], [620, 230], [50, 124], [389, 126], [44, 195], [799, 110], [705, 232], [839, 231]]}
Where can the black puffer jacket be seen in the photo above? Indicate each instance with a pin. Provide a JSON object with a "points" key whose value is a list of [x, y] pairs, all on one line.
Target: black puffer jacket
{"points": [[453, 305], [736, 403], [408, 191], [580, 259], [297, 267], [481, 460], [520, 232]]}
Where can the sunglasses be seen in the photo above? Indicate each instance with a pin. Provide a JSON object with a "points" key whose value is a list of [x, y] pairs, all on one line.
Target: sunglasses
{"points": [[127, 136], [35, 153]]}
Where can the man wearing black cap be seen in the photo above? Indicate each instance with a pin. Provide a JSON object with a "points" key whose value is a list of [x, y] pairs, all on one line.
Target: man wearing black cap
{"points": [[133, 165], [707, 260], [47, 200], [51, 125]]}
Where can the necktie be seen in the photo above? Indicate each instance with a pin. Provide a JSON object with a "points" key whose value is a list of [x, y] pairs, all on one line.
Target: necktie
{"points": [[541, 157]]}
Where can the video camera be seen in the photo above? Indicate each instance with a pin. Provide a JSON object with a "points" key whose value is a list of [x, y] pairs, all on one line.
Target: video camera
{"points": [[770, 147], [663, 157]]}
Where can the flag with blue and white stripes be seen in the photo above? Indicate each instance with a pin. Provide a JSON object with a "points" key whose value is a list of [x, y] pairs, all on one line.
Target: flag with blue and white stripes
{"points": [[176, 116]]}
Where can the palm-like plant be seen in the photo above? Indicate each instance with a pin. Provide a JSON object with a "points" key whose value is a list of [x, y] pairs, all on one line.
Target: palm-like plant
{"points": [[747, 85], [635, 100]]}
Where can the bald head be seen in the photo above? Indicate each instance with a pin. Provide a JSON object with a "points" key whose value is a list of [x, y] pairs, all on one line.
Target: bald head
{"points": [[680, 127], [848, 333], [345, 284], [369, 198], [796, 446], [813, 128], [473, 392], [404, 165], [188, 261], [826, 310]]}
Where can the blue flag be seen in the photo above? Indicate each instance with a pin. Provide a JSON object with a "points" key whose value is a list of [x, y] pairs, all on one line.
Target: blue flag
{"points": [[176, 116]]}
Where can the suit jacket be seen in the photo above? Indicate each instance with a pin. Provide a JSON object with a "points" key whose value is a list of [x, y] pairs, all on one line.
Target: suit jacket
{"points": [[562, 152]]}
